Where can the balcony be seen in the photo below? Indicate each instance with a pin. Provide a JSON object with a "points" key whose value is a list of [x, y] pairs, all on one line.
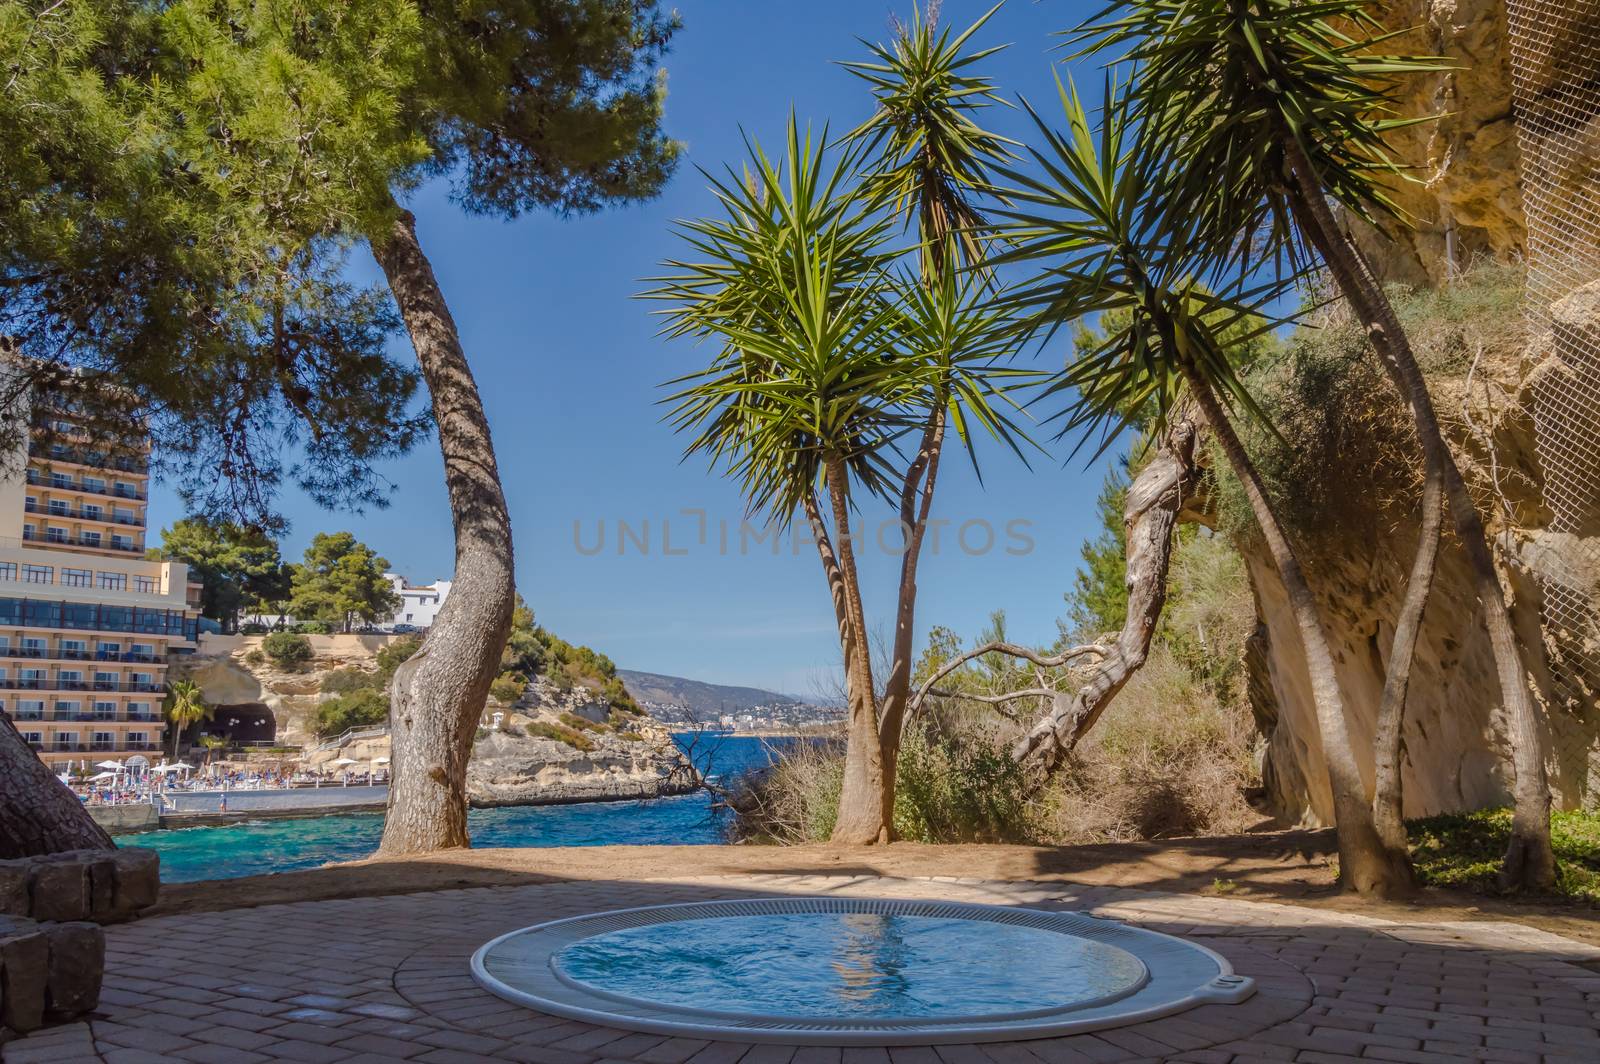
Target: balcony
{"points": [[55, 452], [42, 654], [61, 539], [81, 515], [59, 483]]}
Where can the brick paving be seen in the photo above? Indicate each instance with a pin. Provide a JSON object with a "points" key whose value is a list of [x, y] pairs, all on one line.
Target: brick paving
{"points": [[385, 979]]}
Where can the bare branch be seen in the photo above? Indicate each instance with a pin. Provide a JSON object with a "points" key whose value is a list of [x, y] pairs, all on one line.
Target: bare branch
{"points": [[1068, 657]]}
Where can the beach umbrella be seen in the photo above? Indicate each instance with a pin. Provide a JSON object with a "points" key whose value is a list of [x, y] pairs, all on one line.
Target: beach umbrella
{"points": [[344, 761], [110, 764], [380, 760], [103, 777], [179, 766]]}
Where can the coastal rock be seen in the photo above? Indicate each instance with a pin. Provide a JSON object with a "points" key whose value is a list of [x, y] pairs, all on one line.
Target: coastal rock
{"points": [[138, 879], [555, 747]]}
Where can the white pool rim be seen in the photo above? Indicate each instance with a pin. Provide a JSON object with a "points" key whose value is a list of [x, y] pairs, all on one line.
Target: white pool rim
{"points": [[1180, 975]]}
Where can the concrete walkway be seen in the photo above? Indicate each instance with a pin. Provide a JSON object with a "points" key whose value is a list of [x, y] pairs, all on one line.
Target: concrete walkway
{"points": [[385, 979]]}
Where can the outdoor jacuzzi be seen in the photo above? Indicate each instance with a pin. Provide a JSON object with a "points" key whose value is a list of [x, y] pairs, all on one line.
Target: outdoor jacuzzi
{"points": [[848, 971]]}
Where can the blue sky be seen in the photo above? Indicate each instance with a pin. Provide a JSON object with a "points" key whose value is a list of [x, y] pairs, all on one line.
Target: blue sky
{"points": [[570, 369]]}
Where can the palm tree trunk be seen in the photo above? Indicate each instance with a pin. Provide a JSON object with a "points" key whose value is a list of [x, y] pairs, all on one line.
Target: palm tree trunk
{"points": [[916, 499], [1388, 806], [1366, 866], [438, 694], [37, 814], [863, 819], [1529, 860]]}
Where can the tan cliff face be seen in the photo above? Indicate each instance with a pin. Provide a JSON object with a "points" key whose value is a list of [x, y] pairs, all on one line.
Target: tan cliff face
{"points": [[1464, 197], [510, 765]]}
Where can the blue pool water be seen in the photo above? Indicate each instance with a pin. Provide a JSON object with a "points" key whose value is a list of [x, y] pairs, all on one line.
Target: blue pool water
{"points": [[254, 847], [850, 965]]}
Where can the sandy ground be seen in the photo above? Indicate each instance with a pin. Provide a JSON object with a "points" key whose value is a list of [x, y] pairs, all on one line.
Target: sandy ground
{"points": [[1286, 867]]}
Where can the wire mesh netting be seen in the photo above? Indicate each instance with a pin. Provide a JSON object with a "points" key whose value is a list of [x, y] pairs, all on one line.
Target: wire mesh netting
{"points": [[1555, 63]]}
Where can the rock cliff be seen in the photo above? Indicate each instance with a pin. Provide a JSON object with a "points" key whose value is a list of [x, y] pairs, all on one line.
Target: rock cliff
{"points": [[552, 746], [1356, 492]]}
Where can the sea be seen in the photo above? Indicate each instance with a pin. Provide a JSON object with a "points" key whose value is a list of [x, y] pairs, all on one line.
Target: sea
{"points": [[255, 847]]}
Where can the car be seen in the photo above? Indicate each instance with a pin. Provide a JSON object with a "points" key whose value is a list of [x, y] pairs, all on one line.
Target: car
{"points": [[405, 629]]}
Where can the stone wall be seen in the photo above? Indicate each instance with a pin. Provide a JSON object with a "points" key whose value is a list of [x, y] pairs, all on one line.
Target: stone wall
{"points": [[52, 948]]}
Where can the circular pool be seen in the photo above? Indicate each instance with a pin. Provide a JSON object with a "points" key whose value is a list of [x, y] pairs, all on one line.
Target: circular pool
{"points": [[847, 971]]}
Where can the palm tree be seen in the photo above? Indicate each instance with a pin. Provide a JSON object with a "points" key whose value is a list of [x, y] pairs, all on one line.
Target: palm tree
{"points": [[1279, 107], [928, 159], [826, 359], [212, 744], [1110, 245], [185, 708]]}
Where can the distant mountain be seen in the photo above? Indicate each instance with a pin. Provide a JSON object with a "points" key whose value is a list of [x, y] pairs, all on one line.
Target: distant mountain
{"points": [[704, 700]]}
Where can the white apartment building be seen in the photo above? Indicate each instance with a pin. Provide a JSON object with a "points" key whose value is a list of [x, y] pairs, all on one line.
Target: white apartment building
{"points": [[419, 604]]}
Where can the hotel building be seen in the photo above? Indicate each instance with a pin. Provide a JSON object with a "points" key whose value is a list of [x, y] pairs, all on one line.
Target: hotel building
{"points": [[86, 622]]}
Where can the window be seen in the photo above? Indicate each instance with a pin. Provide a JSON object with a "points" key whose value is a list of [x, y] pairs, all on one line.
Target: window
{"points": [[113, 581], [56, 535], [139, 711], [38, 574], [66, 740], [89, 539], [117, 542], [60, 480], [32, 738], [108, 651], [142, 650], [125, 516], [103, 740], [141, 678], [105, 681], [94, 484], [30, 709], [69, 681], [93, 513], [408, 616], [77, 577], [105, 711], [32, 646], [147, 585], [8, 570], [58, 507], [136, 740], [30, 678]]}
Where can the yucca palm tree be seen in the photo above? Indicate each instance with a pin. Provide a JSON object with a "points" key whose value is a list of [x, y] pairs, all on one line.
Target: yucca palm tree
{"points": [[1094, 218], [185, 708], [1280, 108], [928, 160], [827, 357]]}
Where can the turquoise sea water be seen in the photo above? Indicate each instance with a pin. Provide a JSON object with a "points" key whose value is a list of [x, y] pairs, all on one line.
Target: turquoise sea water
{"points": [[254, 847]]}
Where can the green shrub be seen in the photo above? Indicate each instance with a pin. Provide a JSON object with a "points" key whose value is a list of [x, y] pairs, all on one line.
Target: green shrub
{"points": [[512, 729], [287, 648], [355, 710], [253, 628], [795, 800], [577, 723], [392, 654], [507, 687], [347, 680], [1464, 850], [960, 788], [255, 657], [313, 628], [561, 734]]}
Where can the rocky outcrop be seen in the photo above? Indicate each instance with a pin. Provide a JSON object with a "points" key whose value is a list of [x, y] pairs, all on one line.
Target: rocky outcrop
{"points": [[1356, 525], [1464, 199], [554, 747], [232, 670]]}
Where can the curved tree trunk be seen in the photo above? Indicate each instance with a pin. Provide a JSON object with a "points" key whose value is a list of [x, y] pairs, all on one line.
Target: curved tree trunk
{"points": [[1365, 864], [37, 814], [862, 818], [1388, 806], [438, 694], [1530, 860], [916, 499], [1156, 498]]}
